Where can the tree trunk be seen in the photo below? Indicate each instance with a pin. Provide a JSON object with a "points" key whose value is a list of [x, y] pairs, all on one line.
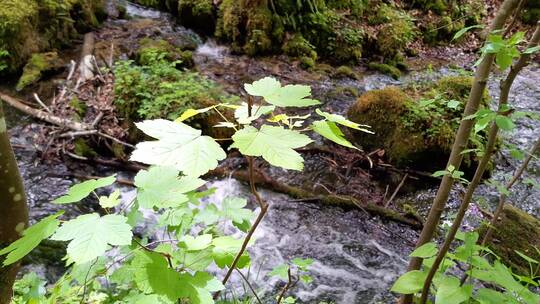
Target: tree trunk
{"points": [[461, 140], [13, 209]]}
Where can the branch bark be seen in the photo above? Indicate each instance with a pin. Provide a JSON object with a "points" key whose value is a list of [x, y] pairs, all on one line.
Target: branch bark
{"points": [[505, 87], [462, 138], [13, 208], [42, 115]]}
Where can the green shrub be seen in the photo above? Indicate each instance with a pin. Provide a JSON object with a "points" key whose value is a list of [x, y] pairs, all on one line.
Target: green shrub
{"points": [[159, 90]]}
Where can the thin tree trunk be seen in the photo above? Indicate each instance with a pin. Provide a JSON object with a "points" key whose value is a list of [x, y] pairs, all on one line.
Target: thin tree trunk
{"points": [[13, 209], [461, 141], [505, 86]]}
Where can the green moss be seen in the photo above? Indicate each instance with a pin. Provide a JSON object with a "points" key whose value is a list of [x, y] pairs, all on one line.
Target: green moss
{"points": [[83, 149], [297, 46], [36, 67], [397, 34], [437, 6], [197, 13], [416, 127], [385, 69], [531, 13], [345, 71], [307, 62], [30, 26], [79, 106], [151, 49], [516, 230]]}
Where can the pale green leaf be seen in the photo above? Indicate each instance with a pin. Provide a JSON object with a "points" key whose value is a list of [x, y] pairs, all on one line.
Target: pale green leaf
{"points": [[82, 190], [179, 146], [288, 96], [233, 209], [31, 237], [90, 234], [464, 30], [274, 144], [410, 282], [280, 271], [242, 116], [425, 251], [161, 187], [303, 264], [344, 121], [193, 112], [263, 87], [199, 242], [331, 131], [110, 201]]}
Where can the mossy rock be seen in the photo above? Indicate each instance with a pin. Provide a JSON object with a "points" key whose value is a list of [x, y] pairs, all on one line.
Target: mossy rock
{"points": [[516, 230], [345, 72], [37, 67], [416, 127], [298, 46], [30, 26], [151, 49], [198, 13], [385, 69], [531, 13]]}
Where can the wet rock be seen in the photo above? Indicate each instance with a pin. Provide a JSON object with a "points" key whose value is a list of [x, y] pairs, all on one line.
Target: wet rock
{"points": [[38, 66]]}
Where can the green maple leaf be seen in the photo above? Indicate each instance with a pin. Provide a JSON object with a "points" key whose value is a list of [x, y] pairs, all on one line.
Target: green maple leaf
{"points": [[274, 144], [233, 209], [179, 146], [280, 271], [344, 121], [110, 201], [89, 235], [161, 187], [82, 190], [31, 237], [225, 250], [153, 275], [331, 131], [197, 243], [198, 288], [288, 96], [242, 116]]}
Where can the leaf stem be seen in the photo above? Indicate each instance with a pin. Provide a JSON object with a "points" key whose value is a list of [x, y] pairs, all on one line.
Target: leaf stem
{"points": [[262, 204]]}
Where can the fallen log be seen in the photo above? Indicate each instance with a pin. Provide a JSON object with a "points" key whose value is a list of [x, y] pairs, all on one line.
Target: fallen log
{"points": [[42, 115], [296, 192], [307, 195]]}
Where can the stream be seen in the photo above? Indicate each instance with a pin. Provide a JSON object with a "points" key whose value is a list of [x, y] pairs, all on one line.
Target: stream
{"points": [[356, 256]]}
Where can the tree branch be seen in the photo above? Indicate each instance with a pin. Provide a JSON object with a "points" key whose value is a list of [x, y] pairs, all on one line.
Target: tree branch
{"points": [[481, 168]]}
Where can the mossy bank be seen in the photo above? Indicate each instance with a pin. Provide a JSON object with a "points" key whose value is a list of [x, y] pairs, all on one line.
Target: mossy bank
{"points": [[30, 26], [338, 31]]}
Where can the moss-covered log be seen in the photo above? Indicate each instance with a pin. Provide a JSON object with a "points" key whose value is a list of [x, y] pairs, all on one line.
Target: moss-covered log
{"points": [[514, 231], [330, 199]]}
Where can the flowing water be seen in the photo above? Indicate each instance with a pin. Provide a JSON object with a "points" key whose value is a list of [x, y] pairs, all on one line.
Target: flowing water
{"points": [[356, 256]]}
